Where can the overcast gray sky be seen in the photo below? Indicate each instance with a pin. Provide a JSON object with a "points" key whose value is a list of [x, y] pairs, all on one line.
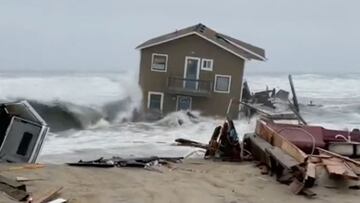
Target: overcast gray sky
{"points": [[301, 35]]}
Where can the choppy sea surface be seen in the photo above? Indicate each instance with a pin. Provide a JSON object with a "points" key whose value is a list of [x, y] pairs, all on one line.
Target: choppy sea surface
{"points": [[90, 113]]}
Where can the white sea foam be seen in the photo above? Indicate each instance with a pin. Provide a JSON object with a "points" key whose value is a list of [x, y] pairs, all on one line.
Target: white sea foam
{"points": [[98, 103]]}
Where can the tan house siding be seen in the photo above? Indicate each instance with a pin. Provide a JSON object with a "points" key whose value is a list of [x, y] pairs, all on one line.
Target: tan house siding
{"points": [[225, 63]]}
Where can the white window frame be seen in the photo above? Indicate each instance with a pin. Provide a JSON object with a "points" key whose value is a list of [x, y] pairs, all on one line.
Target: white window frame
{"points": [[177, 102], [152, 62], [229, 87], [203, 63], [161, 101], [198, 69]]}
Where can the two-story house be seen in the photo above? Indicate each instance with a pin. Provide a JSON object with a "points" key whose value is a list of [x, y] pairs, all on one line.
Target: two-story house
{"points": [[195, 68]]}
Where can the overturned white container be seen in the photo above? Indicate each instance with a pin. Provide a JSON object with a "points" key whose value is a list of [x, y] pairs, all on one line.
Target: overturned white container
{"points": [[22, 133]]}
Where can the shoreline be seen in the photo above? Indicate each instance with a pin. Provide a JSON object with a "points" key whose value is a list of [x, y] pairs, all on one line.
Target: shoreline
{"points": [[194, 180]]}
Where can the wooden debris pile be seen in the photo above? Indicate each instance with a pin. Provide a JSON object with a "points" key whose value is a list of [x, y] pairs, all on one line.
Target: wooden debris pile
{"points": [[279, 156], [16, 190], [224, 144]]}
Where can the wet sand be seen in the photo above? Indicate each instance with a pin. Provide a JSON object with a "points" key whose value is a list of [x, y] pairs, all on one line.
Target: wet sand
{"points": [[191, 181]]}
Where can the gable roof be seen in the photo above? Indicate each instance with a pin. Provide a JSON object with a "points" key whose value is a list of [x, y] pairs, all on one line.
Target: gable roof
{"points": [[239, 48]]}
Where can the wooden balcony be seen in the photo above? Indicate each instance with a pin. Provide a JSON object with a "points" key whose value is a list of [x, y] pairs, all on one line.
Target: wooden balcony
{"points": [[190, 87]]}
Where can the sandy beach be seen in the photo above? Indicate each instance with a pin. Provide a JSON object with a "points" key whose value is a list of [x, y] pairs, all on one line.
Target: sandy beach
{"points": [[191, 181]]}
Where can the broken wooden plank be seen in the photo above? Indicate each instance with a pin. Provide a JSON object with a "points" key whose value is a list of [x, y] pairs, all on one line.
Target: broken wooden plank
{"points": [[296, 186], [354, 167], [337, 167], [27, 166], [299, 188], [13, 188], [310, 174], [15, 193], [328, 153], [258, 147], [12, 183], [281, 157], [48, 196]]}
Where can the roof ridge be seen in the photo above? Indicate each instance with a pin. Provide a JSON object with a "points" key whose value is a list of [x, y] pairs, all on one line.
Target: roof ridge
{"points": [[241, 48]]}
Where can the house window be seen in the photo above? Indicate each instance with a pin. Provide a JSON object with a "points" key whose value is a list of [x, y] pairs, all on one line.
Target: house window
{"points": [[207, 64], [222, 83], [155, 101], [183, 103], [159, 62]]}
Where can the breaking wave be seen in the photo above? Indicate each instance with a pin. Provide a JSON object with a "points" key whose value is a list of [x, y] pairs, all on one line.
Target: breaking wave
{"points": [[62, 115], [75, 101]]}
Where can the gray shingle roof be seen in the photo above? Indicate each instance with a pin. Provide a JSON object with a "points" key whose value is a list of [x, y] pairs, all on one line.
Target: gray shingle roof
{"points": [[233, 45]]}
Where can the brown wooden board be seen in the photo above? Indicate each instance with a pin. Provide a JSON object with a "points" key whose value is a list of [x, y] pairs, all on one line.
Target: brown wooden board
{"points": [[275, 139], [336, 166], [333, 154], [353, 167], [14, 193], [284, 159], [311, 170], [48, 196], [258, 147], [13, 188]]}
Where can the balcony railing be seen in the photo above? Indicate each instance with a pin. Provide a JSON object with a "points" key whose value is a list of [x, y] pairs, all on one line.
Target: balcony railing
{"points": [[191, 87]]}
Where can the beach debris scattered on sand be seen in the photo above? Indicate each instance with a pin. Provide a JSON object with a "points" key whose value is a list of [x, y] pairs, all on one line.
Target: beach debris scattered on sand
{"points": [[298, 155], [58, 200], [15, 189], [149, 163], [48, 196], [224, 144]]}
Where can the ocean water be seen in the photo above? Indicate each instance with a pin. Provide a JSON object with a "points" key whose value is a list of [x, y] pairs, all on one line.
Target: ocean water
{"points": [[90, 113]]}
